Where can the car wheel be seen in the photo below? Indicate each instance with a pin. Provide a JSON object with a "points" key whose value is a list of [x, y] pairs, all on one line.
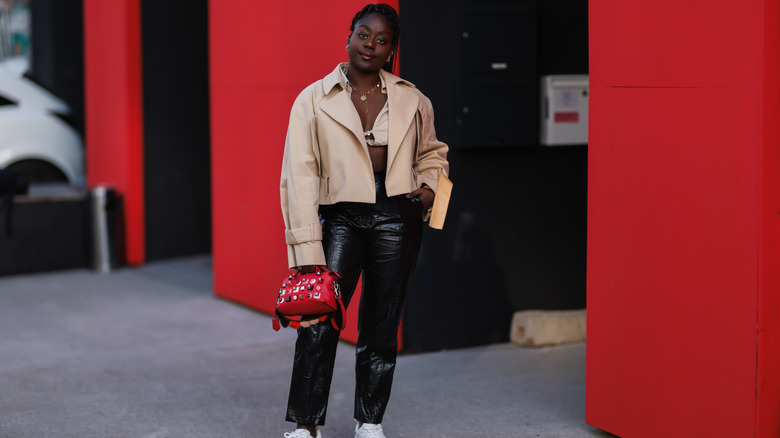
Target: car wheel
{"points": [[38, 171]]}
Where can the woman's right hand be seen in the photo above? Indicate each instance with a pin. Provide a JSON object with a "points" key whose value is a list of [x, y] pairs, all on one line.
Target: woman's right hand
{"points": [[308, 269]]}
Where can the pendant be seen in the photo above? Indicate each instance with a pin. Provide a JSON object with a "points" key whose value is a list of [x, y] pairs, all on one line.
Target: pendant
{"points": [[363, 98]]}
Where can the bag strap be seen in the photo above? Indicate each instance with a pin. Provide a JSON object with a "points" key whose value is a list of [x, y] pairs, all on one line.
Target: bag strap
{"points": [[341, 314]]}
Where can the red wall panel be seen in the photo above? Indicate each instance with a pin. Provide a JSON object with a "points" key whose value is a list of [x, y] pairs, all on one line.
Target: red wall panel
{"points": [[668, 43], [768, 379], [263, 53], [683, 226], [671, 270], [113, 109]]}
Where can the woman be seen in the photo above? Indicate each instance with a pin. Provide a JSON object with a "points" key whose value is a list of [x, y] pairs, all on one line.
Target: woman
{"points": [[361, 163]]}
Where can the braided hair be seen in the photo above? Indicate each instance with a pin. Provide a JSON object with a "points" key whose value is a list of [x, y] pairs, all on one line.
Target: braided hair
{"points": [[391, 15]]}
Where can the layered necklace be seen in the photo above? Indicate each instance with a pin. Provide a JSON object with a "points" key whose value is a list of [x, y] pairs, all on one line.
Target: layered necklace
{"points": [[364, 97], [364, 94]]}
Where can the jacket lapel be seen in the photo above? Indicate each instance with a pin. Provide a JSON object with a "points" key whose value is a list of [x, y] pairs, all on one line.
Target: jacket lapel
{"points": [[402, 104], [340, 108]]}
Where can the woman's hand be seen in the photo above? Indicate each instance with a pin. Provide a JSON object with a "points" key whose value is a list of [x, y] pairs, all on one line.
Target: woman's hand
{"points": [[426, 196], [307, 269]]}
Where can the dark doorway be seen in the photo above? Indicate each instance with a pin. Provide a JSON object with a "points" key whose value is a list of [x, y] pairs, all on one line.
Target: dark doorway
{"points": [[176, 128], [515, 236]]}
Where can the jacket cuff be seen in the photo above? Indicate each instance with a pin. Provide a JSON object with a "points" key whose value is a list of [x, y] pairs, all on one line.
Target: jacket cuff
{"points": [[303, 254], [303, 234], [429, 181]]}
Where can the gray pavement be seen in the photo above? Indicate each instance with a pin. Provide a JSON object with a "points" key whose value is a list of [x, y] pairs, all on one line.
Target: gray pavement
{"points": [[150, 352]]}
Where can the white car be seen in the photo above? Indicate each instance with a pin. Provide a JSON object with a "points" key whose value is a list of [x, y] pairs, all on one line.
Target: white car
{"points": [[36, 138]]}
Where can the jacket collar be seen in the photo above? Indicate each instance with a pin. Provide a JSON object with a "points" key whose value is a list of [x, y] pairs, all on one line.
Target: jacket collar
{"points": [[338, 78]]}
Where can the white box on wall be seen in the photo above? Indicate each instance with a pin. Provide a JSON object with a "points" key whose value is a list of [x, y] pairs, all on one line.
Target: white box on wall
{"points": [[564, 110]]}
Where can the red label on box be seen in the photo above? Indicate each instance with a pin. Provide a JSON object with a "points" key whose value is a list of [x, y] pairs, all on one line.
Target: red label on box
{"points": [[567, 117]]}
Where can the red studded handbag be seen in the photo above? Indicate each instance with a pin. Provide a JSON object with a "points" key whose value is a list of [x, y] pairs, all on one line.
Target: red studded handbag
{"points": [[306, 297]]}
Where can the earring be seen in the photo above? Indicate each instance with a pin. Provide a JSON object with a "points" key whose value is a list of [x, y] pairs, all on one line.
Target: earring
{"points": [[389, 58], [347, 47]]}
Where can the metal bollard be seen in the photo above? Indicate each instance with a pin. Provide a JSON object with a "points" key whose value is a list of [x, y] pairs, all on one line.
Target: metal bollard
{"points": [[103, 205]]}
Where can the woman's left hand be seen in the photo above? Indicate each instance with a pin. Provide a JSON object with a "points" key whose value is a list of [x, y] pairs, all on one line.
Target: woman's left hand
{"points": [[426, 196]]}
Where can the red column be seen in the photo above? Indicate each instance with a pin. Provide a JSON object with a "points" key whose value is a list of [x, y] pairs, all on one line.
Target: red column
{"points": [[683, 226], [263, 53], [768, 369], [113, 106]]}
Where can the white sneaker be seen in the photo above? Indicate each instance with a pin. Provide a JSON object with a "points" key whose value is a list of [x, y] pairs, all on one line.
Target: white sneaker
{"points": [[367, 430], [301, 433]]}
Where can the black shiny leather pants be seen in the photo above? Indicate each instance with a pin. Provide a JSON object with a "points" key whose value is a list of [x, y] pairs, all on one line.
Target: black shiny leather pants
{"points": [[381, 241]]}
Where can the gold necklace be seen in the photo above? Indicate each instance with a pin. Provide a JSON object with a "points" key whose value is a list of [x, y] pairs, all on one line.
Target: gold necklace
{"points": [[364, 94], [364, 98]]}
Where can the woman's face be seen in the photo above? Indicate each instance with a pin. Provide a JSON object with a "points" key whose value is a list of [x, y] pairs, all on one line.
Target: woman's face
{"points": [[370, 43]]}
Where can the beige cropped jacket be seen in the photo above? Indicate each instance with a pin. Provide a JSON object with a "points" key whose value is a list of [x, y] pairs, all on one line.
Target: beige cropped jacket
{"points": [[326, 158]]}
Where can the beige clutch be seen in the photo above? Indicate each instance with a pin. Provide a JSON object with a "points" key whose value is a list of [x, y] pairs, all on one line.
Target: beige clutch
{"points": [[441, 202]]}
